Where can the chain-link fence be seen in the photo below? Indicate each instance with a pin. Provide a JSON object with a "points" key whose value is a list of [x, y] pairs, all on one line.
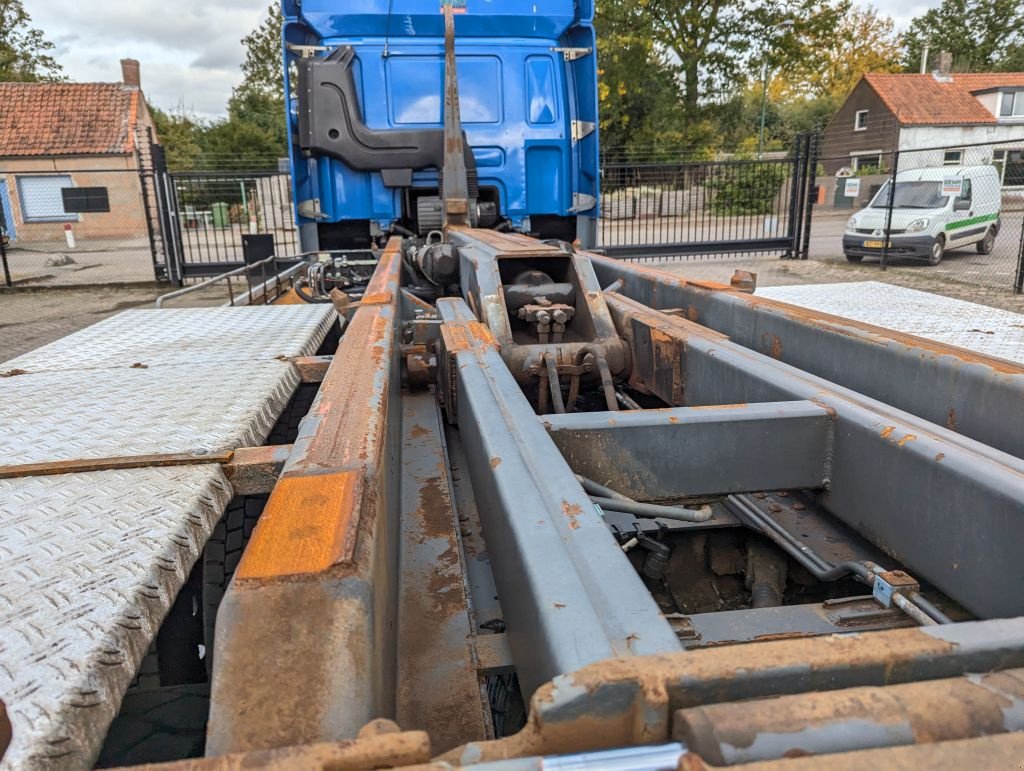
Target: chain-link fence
{"points": [[76, 221], [952, 212]]}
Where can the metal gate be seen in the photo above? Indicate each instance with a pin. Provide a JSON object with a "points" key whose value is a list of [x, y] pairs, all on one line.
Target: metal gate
{"points": [[698, 207]]}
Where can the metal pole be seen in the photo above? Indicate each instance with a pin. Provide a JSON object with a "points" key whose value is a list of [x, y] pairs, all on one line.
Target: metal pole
{"points": [[810, 200], [1018, 286], [3, 259], [764, 105], [888, 209]]}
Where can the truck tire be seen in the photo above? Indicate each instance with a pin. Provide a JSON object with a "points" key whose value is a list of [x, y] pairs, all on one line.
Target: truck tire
{"points": [[988, 243], [938, 250]]}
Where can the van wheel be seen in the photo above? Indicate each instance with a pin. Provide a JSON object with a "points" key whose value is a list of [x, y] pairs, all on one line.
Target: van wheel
{"points": [[988, 243], [938, 250], [854, 257]]}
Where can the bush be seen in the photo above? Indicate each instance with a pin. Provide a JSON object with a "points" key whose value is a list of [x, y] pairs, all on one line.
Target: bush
{"points": [[746, 188]]}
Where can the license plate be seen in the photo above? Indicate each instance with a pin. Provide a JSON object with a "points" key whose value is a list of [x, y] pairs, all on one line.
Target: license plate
{"points": [[874, 244]]}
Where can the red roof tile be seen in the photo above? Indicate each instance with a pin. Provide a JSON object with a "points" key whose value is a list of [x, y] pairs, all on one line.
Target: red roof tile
{"points": [[922, 100], [67, 118]]}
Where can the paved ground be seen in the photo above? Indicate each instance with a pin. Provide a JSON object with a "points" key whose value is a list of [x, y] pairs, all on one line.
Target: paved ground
{"points": [[31, 317]]}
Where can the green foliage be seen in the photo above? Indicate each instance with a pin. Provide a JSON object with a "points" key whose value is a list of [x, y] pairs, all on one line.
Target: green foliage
{"points": [[745, 188], [982, 35], [25, 54]]}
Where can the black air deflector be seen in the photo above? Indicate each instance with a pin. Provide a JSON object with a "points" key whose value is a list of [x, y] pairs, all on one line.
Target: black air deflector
{"points": [[331, 124]]}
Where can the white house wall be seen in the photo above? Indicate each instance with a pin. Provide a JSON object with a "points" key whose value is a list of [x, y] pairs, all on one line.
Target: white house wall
{"points": [[918, 144]]}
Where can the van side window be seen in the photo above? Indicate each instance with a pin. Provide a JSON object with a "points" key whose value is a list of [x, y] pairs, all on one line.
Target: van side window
{"points": [[965, 192]]}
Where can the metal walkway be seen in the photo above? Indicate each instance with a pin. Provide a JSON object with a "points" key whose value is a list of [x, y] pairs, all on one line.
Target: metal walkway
{"points": [[90, 563], [978, 328]]}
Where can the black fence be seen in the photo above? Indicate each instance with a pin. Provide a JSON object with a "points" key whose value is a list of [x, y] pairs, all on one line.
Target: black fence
{"points": [[708, 208], [949, 213]]}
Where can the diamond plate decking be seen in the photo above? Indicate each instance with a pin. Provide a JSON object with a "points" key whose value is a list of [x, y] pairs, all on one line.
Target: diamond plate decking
{"points": [[90, 563], [978, 328]]}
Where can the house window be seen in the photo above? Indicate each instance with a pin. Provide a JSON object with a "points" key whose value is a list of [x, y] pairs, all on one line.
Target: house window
{"points": [[952, 157], [1011, 166], [1012, 105], [41, 200], [862, 162], [860, 120]]}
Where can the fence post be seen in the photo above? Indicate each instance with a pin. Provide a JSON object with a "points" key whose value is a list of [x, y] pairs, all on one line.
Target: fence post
{"points": [[3, 259], [795, 196], [145, 163], [814, 149], [1018, 285], [890, 202]]}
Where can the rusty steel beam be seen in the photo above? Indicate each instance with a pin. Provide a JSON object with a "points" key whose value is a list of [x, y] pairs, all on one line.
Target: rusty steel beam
{"points": [[379, 750], [631, 701], [568, 593], [305, 644], [947, 507], [312, 369], [254, 470], [82, 465], [695, 451], [853, 719], [969, 393]]}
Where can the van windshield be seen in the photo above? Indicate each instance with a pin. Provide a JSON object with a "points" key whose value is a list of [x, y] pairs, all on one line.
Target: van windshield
{"points": [[911, 195]]}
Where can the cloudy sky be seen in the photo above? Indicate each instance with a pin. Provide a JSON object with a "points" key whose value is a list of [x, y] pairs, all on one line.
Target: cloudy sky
{"points": [[189, 49]]}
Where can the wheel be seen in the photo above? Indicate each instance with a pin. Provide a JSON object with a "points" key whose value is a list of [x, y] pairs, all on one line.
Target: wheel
{"points": [[988, 243], [854, 257], [938, 250]]}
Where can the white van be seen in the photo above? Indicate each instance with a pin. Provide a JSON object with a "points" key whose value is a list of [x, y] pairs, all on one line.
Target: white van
{"points": [[934, 210]]}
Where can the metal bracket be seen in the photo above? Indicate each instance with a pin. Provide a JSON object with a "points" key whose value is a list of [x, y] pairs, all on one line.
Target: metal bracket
{"points": [[892, 582], [306, 52], [572, 54], [582, 202], [581, 128], [310, 209]]}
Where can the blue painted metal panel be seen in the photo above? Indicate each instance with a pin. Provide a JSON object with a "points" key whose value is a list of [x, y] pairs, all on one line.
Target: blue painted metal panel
{"points": [[518, 98], [8, 212]]}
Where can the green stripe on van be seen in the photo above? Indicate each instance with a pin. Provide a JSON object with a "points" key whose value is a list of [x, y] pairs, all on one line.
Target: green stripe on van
{"points": [[972, 221]]}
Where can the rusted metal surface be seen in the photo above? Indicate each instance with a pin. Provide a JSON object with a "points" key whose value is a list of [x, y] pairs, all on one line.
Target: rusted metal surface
{"points": [[305, 644], [312, 369], [388, 750], [900, 481], [623, 702], [438, 688], [568, 593], [995, 752], [926, 378], [5, 730], [854, 719], [77, 466], [254, 470], [773, 445]]}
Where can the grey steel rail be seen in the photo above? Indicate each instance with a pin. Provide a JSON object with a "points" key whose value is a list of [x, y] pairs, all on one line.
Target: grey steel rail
{"points": [[226, 276]]}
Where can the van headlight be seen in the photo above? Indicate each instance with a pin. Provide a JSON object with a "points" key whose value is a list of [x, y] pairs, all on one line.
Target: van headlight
{"points": [[917, 225], [852, 224]]}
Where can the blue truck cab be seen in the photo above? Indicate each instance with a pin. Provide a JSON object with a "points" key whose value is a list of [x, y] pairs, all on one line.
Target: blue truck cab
{"points": [[365, 87]]}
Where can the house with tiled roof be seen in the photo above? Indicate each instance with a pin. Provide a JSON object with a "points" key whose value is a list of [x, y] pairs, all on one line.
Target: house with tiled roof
{"points": [[933, 119], [69, 160]]}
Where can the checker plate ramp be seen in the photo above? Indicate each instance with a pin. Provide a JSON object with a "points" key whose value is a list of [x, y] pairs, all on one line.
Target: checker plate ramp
{"points": [[90, 563], [978, 328]]}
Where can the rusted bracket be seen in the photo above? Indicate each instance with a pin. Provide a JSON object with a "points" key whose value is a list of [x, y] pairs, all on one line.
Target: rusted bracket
{"points": [[251, 470], [312, 368]]}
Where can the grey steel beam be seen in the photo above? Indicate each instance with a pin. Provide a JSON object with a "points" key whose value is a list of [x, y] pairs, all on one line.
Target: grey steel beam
{"points": [[568, 593], [686, 451], [977, 396], [949, 508]]}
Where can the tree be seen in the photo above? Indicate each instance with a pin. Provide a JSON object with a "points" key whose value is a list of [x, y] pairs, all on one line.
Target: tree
{"points": [[982, 35], [832, 61], [638, 88], [24, 51], [263, 69], [181, 135], [717, 41]]}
